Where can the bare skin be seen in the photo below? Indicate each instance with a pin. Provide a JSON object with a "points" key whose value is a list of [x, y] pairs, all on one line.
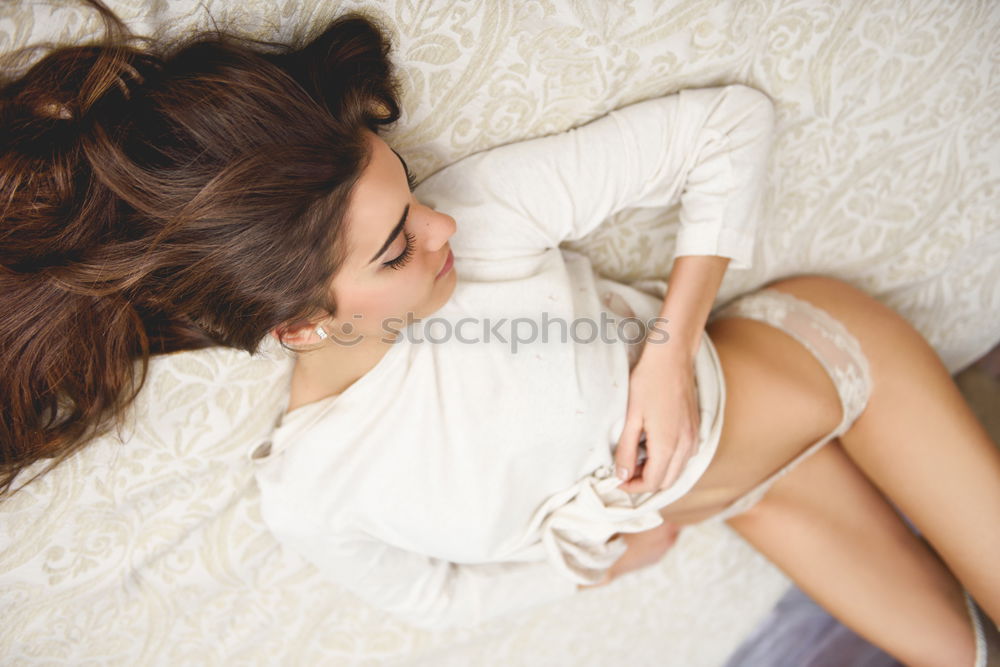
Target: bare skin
{"points": [[829, 524]]}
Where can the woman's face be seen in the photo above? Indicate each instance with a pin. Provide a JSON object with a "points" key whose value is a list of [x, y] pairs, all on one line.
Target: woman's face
{"points": [[397, 249]]}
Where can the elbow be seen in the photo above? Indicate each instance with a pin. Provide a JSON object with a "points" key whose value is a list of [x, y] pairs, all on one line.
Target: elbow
{"points": [[755, 103]]}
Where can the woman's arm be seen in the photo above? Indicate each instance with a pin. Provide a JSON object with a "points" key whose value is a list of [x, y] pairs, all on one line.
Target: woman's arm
{"points": [[691, 290], [663, 399], [705, 148], [720, 199], [419, 590]]}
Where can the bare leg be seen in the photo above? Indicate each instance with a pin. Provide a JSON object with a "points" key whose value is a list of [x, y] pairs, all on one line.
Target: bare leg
{"points": [[827, 527], [918, 441]]}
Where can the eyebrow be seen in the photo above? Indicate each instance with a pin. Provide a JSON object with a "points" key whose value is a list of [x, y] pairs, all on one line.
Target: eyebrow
{"points": [[399, 225]]}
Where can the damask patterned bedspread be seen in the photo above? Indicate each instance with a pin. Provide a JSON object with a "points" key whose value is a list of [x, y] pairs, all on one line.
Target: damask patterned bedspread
{"points": [[885, 173]]}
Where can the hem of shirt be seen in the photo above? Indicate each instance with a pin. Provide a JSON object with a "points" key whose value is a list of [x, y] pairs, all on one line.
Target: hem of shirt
{"points": [[738, 247]]}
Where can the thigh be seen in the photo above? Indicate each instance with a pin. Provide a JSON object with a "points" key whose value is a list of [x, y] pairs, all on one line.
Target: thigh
{"points": [[779, 400], [832, 531]]}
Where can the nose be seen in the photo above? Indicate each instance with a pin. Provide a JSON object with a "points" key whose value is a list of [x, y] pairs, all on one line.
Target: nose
{"points": [[440, 227]]}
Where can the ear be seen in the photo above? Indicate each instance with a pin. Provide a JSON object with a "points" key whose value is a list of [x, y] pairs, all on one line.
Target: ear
{"points": [[302, 334]]}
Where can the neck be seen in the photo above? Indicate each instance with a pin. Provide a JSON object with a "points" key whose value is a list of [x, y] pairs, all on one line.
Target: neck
{"points": [[332, 368]]}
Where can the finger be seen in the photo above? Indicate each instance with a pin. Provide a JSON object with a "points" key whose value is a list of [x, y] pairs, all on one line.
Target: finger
{"points": [[634, 484], [658, 462], [677, 462], [686, 447], [697, 433], [695, 413], [656, 465], [627, 450]]}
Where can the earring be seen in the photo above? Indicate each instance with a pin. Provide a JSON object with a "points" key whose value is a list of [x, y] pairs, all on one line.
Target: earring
{"points": [[321, 333]]}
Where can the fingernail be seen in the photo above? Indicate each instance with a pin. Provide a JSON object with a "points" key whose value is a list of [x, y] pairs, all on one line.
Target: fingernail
{"points": [[622, 473]]}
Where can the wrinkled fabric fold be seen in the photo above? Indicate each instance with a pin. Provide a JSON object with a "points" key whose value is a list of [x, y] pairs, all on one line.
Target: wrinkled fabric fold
{"points": [[580, 527]]}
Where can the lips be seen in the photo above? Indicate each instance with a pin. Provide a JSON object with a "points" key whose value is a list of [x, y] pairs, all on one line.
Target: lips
{"points": [[447, 265]]}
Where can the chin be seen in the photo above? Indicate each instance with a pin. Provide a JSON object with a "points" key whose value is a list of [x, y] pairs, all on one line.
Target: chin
{"points": [[446, 287], [449, 285]]}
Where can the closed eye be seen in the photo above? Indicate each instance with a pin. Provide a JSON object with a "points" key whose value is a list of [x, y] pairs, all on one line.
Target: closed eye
{"points": [[400, 261]]}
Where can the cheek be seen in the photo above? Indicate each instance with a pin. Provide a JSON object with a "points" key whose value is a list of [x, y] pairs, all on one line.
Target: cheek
{"points": [[392, 298]]}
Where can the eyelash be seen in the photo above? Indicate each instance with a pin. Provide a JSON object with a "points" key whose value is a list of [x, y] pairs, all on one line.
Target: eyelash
{"points": [[401, 261]]}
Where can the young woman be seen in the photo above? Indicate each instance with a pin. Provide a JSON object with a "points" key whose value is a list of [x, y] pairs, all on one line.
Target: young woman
{"points": [[464, 390]]}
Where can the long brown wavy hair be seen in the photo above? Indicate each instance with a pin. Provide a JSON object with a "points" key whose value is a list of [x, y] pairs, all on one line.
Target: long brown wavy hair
{"points": [[157, 198]]}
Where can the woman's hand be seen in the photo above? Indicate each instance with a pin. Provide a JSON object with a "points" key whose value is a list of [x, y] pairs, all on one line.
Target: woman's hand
{"points": [[663, 403], [644, 549]]}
